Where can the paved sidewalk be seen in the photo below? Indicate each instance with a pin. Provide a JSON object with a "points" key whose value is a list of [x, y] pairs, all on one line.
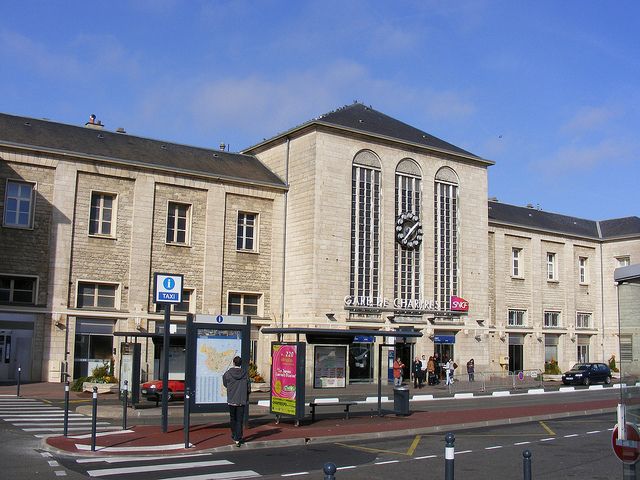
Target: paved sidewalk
{"points": [[211, 432]]}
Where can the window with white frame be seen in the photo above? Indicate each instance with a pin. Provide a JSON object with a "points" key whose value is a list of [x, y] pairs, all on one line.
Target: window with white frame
{"points": [[551, 266], [243, 304], [583, 320], [18, 204], [186, 306], [623, 261], [551, 319], [516, 268], [516, 318], [582, 270], [407, 260], [178, 220], [364, 275], [445, 207], [246, 231], [97, 295], [18, 289], [101, 215]]}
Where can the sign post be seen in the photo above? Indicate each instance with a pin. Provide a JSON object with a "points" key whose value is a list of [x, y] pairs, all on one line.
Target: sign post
{"points": [[167, 289]]}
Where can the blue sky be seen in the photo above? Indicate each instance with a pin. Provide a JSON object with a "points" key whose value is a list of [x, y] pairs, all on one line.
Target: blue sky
{"points": [[549, 90]]}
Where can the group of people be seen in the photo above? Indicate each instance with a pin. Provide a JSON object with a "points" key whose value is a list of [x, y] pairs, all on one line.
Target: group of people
{"points": [[431, 370]]}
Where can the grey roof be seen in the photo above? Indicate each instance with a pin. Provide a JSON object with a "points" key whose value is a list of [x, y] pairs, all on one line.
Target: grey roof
{"points": [[554, 222], [102, 144], [360, 118]]}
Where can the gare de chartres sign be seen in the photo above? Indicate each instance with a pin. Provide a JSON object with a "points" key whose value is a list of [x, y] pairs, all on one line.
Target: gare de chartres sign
{"points": [[458, 304]]}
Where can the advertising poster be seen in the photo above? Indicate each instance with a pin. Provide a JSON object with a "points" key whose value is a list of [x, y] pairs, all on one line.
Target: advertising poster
{"points": [[283, 379], [330, 367], [215, 352]]}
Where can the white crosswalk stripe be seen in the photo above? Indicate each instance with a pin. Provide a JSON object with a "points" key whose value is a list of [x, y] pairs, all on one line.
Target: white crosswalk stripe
{"points": [[198, 467], [43, 419]]}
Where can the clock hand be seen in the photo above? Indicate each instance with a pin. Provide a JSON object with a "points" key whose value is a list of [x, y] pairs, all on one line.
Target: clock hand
{"points": [[415, 225]]}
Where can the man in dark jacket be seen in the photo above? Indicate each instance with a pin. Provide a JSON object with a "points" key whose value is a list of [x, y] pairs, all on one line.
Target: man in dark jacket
{"points": [[237, 382]]}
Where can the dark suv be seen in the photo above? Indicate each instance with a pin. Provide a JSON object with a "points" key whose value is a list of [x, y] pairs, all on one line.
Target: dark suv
{"points": [[587, 373]]}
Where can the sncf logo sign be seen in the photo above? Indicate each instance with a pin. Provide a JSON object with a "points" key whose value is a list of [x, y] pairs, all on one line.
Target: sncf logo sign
{"points": [[459, 304]]}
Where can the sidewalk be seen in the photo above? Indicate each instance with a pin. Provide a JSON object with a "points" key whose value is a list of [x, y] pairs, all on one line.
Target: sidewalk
{"points": [[210, 432]]}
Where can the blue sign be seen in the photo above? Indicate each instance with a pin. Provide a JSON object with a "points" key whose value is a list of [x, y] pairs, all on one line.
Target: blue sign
{"points": [[363, 339], [444, 339], [167, 288], [219, 319]]}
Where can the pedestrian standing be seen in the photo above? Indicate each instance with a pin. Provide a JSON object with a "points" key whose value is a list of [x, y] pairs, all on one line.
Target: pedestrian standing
{"points": [[431, 371], [423, 374], [397, 372], [471, 370], [416, 369], [236, 381], [436, 361], [449, 368]]}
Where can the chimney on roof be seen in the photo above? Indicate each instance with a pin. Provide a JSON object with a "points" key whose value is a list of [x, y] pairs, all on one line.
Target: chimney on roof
{"points": [[93, 123], [530, 205], [222, 146], [121, 130]]}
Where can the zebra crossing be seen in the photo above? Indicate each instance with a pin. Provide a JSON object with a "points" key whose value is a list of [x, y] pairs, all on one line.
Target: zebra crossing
{"points": [[42, 419], [198, 466]]}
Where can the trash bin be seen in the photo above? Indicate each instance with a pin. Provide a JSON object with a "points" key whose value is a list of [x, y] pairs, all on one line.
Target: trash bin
{"points": [[401, 400]]}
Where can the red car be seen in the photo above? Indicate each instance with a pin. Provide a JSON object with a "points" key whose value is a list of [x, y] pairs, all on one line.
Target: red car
{"points": [[153, 390]]}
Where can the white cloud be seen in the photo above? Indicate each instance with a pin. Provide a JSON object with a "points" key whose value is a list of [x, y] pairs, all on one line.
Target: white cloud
{"points": [[585, 158], [590, 118]]}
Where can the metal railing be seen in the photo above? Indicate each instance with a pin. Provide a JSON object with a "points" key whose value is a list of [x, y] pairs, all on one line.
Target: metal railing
{"points": [[495, 381]]}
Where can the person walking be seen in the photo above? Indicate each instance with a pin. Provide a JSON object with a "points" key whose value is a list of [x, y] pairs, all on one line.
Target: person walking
{"points": [[416, 368], [397, 372], [431, 371], [449, 369], [424, 373], [471, 370], [236, 381]]}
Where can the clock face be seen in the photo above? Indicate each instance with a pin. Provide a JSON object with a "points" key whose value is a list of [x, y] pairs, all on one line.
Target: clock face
{"points": [[409, 230]]}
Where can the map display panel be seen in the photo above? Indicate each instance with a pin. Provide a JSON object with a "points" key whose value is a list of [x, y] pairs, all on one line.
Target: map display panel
{"points": [[214, 356]]}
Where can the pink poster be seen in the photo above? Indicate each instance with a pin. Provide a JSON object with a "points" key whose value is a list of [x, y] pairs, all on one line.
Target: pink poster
{"points": [[283, 379]]}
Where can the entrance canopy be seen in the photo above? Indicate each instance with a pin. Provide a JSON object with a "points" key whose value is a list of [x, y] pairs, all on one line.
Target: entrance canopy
{"points": [[338, 336]]}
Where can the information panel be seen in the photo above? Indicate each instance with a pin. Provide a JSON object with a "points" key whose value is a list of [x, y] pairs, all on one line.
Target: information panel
{"points": [[330, 367], [215, 350], [283, 374]]}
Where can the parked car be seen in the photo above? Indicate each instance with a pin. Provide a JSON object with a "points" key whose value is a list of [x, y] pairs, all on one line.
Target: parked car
{"points": [[587, 373], [153, 390]]}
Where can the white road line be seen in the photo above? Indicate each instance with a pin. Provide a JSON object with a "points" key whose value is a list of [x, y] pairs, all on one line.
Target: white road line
{"points": [[379, 463], [138, 459], [425, 457], [60, 473], [53, 463], [547, 439], [30, 411], [566, 436], [148, 448], [519, 443], [486, 448], [346, 467], [588, 433], [103, 434], [608, 429], [61, 429], [464, 451], [290, 474], [46, 454], [58, 424], [219, 476], [43, 416], [156, 468]]}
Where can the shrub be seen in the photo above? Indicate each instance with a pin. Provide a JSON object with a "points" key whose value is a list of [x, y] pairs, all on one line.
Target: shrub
{"points": [[77, 384], [612, 364], [552, 368], [254, 376]]}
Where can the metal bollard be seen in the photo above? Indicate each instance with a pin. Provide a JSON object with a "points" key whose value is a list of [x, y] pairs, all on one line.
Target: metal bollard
{"points": [[526, 464], [66, 408], [94, 418], [125, 401], [329, 469], [449, 453], [18, 385], [186, 418]]}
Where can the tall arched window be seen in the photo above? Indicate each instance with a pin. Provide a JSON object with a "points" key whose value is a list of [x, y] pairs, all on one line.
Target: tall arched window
{"points": [[407, 283], [445, 242], [365, 226]]}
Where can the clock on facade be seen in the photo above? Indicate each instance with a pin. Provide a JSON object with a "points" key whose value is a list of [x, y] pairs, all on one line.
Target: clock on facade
{"points": [[408, 230]]}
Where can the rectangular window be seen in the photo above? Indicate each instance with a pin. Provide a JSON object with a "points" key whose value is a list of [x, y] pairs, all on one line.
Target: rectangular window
{"points": [[182, 307], [551, 266], [623, 261], [18, 204], [407, 259], [583, 320], [97, 295], [445, 244], [515, 262], [246, 231], [582, 269], [626, 348], [178, 223], [516, 318], [15, 289], [243, 304], [551, 319], [101, 214]]}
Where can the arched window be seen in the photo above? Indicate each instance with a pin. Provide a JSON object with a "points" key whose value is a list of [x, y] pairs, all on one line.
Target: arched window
{"points": [[365, 226], [408, 227], [445, 242]]}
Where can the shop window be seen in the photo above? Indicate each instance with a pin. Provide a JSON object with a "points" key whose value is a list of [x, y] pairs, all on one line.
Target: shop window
{"points": [[18, 204], [102, 214], [17, 289]]}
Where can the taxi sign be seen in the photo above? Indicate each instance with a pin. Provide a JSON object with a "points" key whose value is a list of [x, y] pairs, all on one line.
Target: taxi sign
{"points": [[167, 288]]}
